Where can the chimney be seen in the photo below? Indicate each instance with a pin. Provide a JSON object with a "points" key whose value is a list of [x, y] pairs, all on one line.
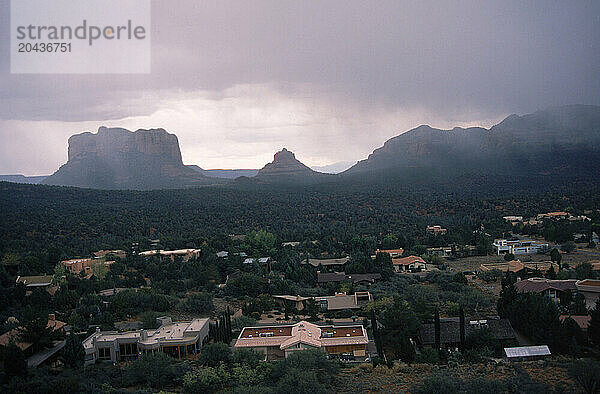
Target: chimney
{"points": [[51, 317]]}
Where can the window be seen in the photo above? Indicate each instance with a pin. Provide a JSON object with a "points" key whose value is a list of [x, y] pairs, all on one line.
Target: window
{"points": [[127, 349], [104, 353], [265, 334]]}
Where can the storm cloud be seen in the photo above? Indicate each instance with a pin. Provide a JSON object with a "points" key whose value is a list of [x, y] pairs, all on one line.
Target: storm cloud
{"points": [[331, 80]]}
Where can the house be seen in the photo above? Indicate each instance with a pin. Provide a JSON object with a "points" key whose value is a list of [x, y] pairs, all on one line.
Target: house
{"points": [[553, 215], [519, 246], [327, 262], [436, 230], [583, 321], [262, 261], [517, 265], [77, 266], [186, 254], [552, 288], [118, 253], [337, 302], [392, 252], [442, 251], [341, 301], [279, 341], [526, 353], [296, 301], [336, 277], [514, 220], [501, 330], [409, 264], [33, 282], [590, 288], [14, 335], [177, 339]]}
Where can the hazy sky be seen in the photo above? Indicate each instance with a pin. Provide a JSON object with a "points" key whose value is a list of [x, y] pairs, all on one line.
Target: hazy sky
{"points": [[330, 80]]}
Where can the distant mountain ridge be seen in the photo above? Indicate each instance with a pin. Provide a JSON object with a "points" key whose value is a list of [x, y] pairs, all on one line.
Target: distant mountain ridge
{"points": [[225, 173], [558, 141], [19, 178], [116, 158], [550, 141]]}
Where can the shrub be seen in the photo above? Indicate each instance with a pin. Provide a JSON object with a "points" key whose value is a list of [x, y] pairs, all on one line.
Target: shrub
{"points": [[155, 370], [214, 354], [428, 356], [587, 374], [205, 380]]}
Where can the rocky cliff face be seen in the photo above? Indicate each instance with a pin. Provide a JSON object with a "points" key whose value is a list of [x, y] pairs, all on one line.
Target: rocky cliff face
{"points": [[285, 167], [545, 142], [116, 158]]}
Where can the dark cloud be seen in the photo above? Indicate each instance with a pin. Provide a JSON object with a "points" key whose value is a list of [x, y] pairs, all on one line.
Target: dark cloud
{"points": [[503, 56], [331, 79]]}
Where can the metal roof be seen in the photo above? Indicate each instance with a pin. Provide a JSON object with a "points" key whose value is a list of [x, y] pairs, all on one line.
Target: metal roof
{"points": [[527, 351]]}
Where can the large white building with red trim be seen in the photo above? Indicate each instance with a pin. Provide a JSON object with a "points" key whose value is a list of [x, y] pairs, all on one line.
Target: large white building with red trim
{"points": [[279, 341]]}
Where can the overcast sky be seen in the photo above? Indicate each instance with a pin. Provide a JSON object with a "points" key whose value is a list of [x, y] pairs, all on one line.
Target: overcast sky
{"points": [[329, 80]]}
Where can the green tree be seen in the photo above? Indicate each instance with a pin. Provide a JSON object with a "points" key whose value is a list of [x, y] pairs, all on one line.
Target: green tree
{"points": [[148, 319], [37, 333], [247, 357], [239, 322], [205, 380], [400, 323], [509, 257], [14, 361], [390, 241], [201, 303], [155, 370], [584, 271], [568, 247], [551, 274], [594, 327], [555, 256], [73, 352], [214, 354], [312, 309]]}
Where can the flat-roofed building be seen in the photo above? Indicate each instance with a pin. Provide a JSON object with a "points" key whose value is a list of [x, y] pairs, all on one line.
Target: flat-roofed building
{"points": [[517, 265], [185, 254], [337, 302], [392, 252], [278, 342], [76, 266], [35, 281], [519, 246], [327, 262], [178, 339], [436, 230], [116, 252], [526, 353]]}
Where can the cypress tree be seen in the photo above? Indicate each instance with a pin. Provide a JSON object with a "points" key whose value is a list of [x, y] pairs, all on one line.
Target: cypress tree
{"points": [[437, 329], [462, 327]]}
